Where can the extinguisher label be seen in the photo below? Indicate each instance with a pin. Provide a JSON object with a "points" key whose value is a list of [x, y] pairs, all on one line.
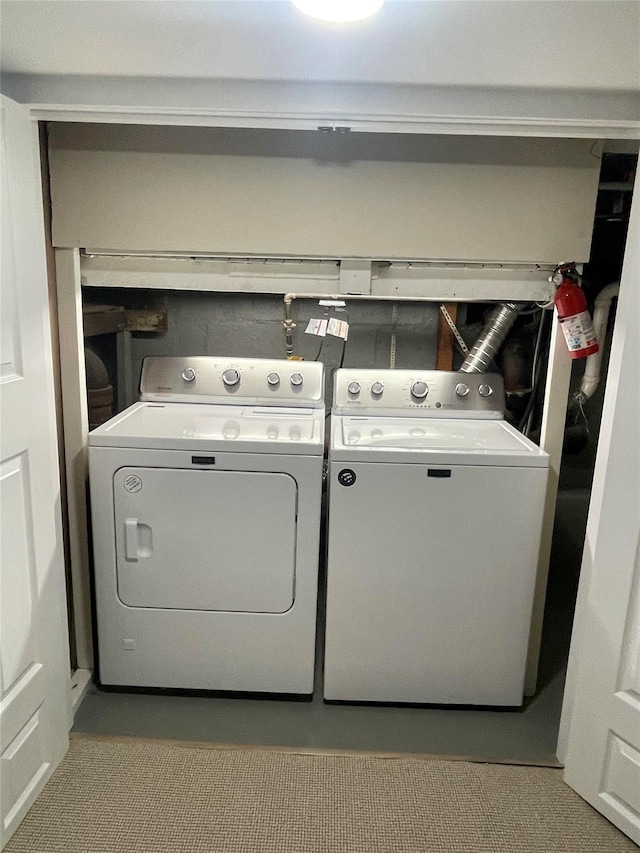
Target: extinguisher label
{"points": [[578, 331]]}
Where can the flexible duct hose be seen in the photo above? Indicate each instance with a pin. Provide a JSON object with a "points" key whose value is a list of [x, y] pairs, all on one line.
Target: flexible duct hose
{"points": [[491, 338]]}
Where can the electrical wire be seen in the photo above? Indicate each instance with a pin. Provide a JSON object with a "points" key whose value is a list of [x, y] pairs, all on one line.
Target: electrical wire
{"points": [[535, 374], [325, 316], [533, 309], [319, 353], [344, 347], [344, 340], [536, 353], [527, 416], [582, 412]]}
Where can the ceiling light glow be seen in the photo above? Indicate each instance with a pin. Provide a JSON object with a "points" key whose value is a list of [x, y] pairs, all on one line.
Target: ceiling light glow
{"points": [[340, 11]]}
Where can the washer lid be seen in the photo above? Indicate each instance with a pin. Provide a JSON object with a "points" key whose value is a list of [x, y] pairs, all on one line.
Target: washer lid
{"points": [[431, 441], [192, 426]]}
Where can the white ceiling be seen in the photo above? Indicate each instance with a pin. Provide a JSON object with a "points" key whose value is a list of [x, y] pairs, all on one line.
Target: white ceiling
{"points": [[561, 44]]}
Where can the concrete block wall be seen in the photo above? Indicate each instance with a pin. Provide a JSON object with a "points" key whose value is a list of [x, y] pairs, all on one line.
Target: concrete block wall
{"points": [[251, 326]]}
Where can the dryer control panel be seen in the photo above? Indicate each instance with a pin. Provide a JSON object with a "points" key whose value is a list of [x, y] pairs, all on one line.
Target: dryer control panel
{"points": [[427, 393], [209, 379]]}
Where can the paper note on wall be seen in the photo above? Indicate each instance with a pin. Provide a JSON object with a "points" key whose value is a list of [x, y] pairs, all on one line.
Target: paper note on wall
{"points": [[338, 328], [316, 327]]}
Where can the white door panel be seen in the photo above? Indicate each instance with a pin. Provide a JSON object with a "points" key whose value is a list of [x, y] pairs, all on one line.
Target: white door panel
{"points": [[600, 730], [192, 539], [34, 654]]}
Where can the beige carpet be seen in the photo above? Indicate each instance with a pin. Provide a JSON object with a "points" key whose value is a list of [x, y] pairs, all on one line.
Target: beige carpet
{"points": [[130, 796]]}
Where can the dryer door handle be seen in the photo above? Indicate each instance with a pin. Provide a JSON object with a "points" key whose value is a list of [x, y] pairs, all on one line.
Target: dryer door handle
{"points": [[131, 539], [138, 540]]}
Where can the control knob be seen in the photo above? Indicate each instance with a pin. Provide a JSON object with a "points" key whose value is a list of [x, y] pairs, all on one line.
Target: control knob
{"points": [[231, 377], [354, 388], [377, 388], [188, 374], [461, 389], [273, 379], [419, 390], [296, 380], [485, 390]]}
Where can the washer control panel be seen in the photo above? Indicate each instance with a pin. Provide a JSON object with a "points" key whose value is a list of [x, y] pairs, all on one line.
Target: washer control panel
{"points": [[204, 379], [429, 393]]}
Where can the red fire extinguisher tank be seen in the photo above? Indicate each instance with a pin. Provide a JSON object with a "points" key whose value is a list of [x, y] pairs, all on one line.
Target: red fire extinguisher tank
{"points": [[575, 319]]}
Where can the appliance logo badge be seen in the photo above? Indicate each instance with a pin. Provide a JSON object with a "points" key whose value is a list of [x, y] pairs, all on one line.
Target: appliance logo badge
{"points": [[347, 477], [132, 483]]}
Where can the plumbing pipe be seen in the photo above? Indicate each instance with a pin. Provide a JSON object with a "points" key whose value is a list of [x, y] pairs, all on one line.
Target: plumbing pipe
{"points": [[288, 325], [375, 297], [601, 307], [496, 329]]}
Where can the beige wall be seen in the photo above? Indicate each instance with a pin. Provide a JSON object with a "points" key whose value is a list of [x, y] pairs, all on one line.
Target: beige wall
{"points": [[298, 193]]}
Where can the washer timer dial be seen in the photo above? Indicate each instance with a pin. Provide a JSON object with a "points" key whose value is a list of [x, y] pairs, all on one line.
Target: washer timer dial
{"points": [[419, 390], [231, 377]]}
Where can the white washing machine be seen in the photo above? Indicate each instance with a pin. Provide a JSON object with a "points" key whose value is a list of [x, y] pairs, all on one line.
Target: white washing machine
{"points": [[435, 515], [206, 504]]}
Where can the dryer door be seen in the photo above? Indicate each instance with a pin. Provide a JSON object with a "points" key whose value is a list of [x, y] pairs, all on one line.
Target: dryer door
{"points": [[205, 540]]}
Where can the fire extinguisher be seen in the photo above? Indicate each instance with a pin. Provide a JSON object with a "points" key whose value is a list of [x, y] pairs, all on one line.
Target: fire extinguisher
{"points": [[573, 314]]}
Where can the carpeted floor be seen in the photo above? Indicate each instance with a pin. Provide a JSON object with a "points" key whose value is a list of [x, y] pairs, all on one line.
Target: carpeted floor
{"points": [[131, 796]]}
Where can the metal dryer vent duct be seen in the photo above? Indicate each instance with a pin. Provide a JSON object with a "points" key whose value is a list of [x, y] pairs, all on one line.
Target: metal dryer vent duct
{"points": [[491, 338]]}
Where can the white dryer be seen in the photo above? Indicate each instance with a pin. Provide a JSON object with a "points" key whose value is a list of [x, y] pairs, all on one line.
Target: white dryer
{"points": [[435, 515], [206, 503]]}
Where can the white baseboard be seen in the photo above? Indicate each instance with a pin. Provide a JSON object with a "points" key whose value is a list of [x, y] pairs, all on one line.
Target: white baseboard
{"points": [[79, 684]]}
